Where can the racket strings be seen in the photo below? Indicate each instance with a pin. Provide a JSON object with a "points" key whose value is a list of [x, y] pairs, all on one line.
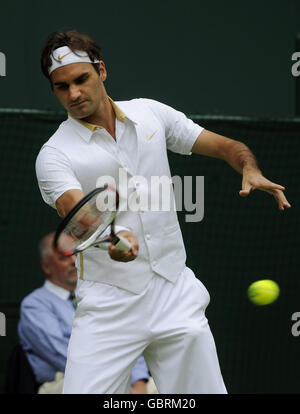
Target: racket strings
{"points": [[86, 226]]}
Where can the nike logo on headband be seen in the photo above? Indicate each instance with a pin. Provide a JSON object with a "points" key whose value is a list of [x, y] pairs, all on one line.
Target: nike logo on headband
{"points": [[61, 57]]}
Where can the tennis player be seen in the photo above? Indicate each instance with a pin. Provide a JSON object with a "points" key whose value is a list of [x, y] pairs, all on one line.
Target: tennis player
{"points": [[145, 301]]}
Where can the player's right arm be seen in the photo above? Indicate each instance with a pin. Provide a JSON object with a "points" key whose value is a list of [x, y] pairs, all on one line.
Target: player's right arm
{"points": [[67, 201], [61, 189]]}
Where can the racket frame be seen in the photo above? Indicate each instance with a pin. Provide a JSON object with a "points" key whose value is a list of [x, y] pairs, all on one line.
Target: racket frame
{"points": [[87, 243]]}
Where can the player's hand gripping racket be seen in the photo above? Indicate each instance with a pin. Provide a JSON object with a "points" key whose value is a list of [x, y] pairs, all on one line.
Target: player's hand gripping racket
{"points": [[84, 225]]}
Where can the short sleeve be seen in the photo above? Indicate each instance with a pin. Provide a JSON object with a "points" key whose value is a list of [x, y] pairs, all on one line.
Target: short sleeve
{"points": [[181, 132], [54, 174]]}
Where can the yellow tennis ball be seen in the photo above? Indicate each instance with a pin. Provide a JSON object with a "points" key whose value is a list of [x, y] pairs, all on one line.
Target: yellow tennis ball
{"points": [[263, 292]]}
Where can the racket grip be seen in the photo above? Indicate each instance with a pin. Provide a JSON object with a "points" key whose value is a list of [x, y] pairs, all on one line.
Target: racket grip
{"points": [[123, 244]]}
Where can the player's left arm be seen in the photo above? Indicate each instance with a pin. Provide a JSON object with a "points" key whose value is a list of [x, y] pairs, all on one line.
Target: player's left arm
{"points": [[241, 158]]}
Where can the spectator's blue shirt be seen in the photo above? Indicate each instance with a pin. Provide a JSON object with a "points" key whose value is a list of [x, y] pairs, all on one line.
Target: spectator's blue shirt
{"points": [[44, 330]]}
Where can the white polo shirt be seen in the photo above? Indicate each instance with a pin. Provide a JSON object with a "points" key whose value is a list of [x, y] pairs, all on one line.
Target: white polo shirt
{"points": [[79, 153]]}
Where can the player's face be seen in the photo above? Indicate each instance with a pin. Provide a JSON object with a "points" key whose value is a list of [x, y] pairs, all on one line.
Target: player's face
{"points": [[79, 88]]}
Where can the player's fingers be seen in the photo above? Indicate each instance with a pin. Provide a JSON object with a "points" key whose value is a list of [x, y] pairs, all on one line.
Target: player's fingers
{"points": [[280, 198], [271, 186], [134, 245], [120, 255], [284, 205], [133, 240], [246, 189], [262, 184]]}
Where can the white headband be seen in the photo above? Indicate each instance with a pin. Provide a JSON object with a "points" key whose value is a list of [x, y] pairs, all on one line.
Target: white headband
{"points": [[64, 56]]}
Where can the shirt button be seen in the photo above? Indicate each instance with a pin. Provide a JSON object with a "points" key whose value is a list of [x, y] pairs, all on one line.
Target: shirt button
{"points": [[154, 263], [148, 236]]}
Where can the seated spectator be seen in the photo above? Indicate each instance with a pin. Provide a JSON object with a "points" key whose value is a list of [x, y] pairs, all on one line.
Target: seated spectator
{"points": [[45, 323]]}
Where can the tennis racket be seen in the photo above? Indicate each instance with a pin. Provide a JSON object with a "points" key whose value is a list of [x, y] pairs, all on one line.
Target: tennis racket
{"points": [[85, 224]]}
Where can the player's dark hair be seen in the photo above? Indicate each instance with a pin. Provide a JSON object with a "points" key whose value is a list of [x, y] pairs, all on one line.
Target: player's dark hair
{"points": [[75, 41]]}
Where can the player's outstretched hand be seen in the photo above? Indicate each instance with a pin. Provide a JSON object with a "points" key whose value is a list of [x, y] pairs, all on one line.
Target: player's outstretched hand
{"points": [[122, 256], [254, 180]]}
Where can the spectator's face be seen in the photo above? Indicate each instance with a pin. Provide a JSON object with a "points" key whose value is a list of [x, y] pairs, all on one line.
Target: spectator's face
{"points": [[61, 270]]}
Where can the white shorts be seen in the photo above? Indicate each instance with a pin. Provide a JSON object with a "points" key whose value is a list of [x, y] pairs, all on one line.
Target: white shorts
{"points": [[113, 327]]}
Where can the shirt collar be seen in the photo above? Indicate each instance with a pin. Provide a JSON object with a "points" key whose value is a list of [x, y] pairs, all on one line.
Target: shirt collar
{"points": [[57, 290], [86, 129]]}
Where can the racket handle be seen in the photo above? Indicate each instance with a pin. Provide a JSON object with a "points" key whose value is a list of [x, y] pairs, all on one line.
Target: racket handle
{"points": [[123, 244]]}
